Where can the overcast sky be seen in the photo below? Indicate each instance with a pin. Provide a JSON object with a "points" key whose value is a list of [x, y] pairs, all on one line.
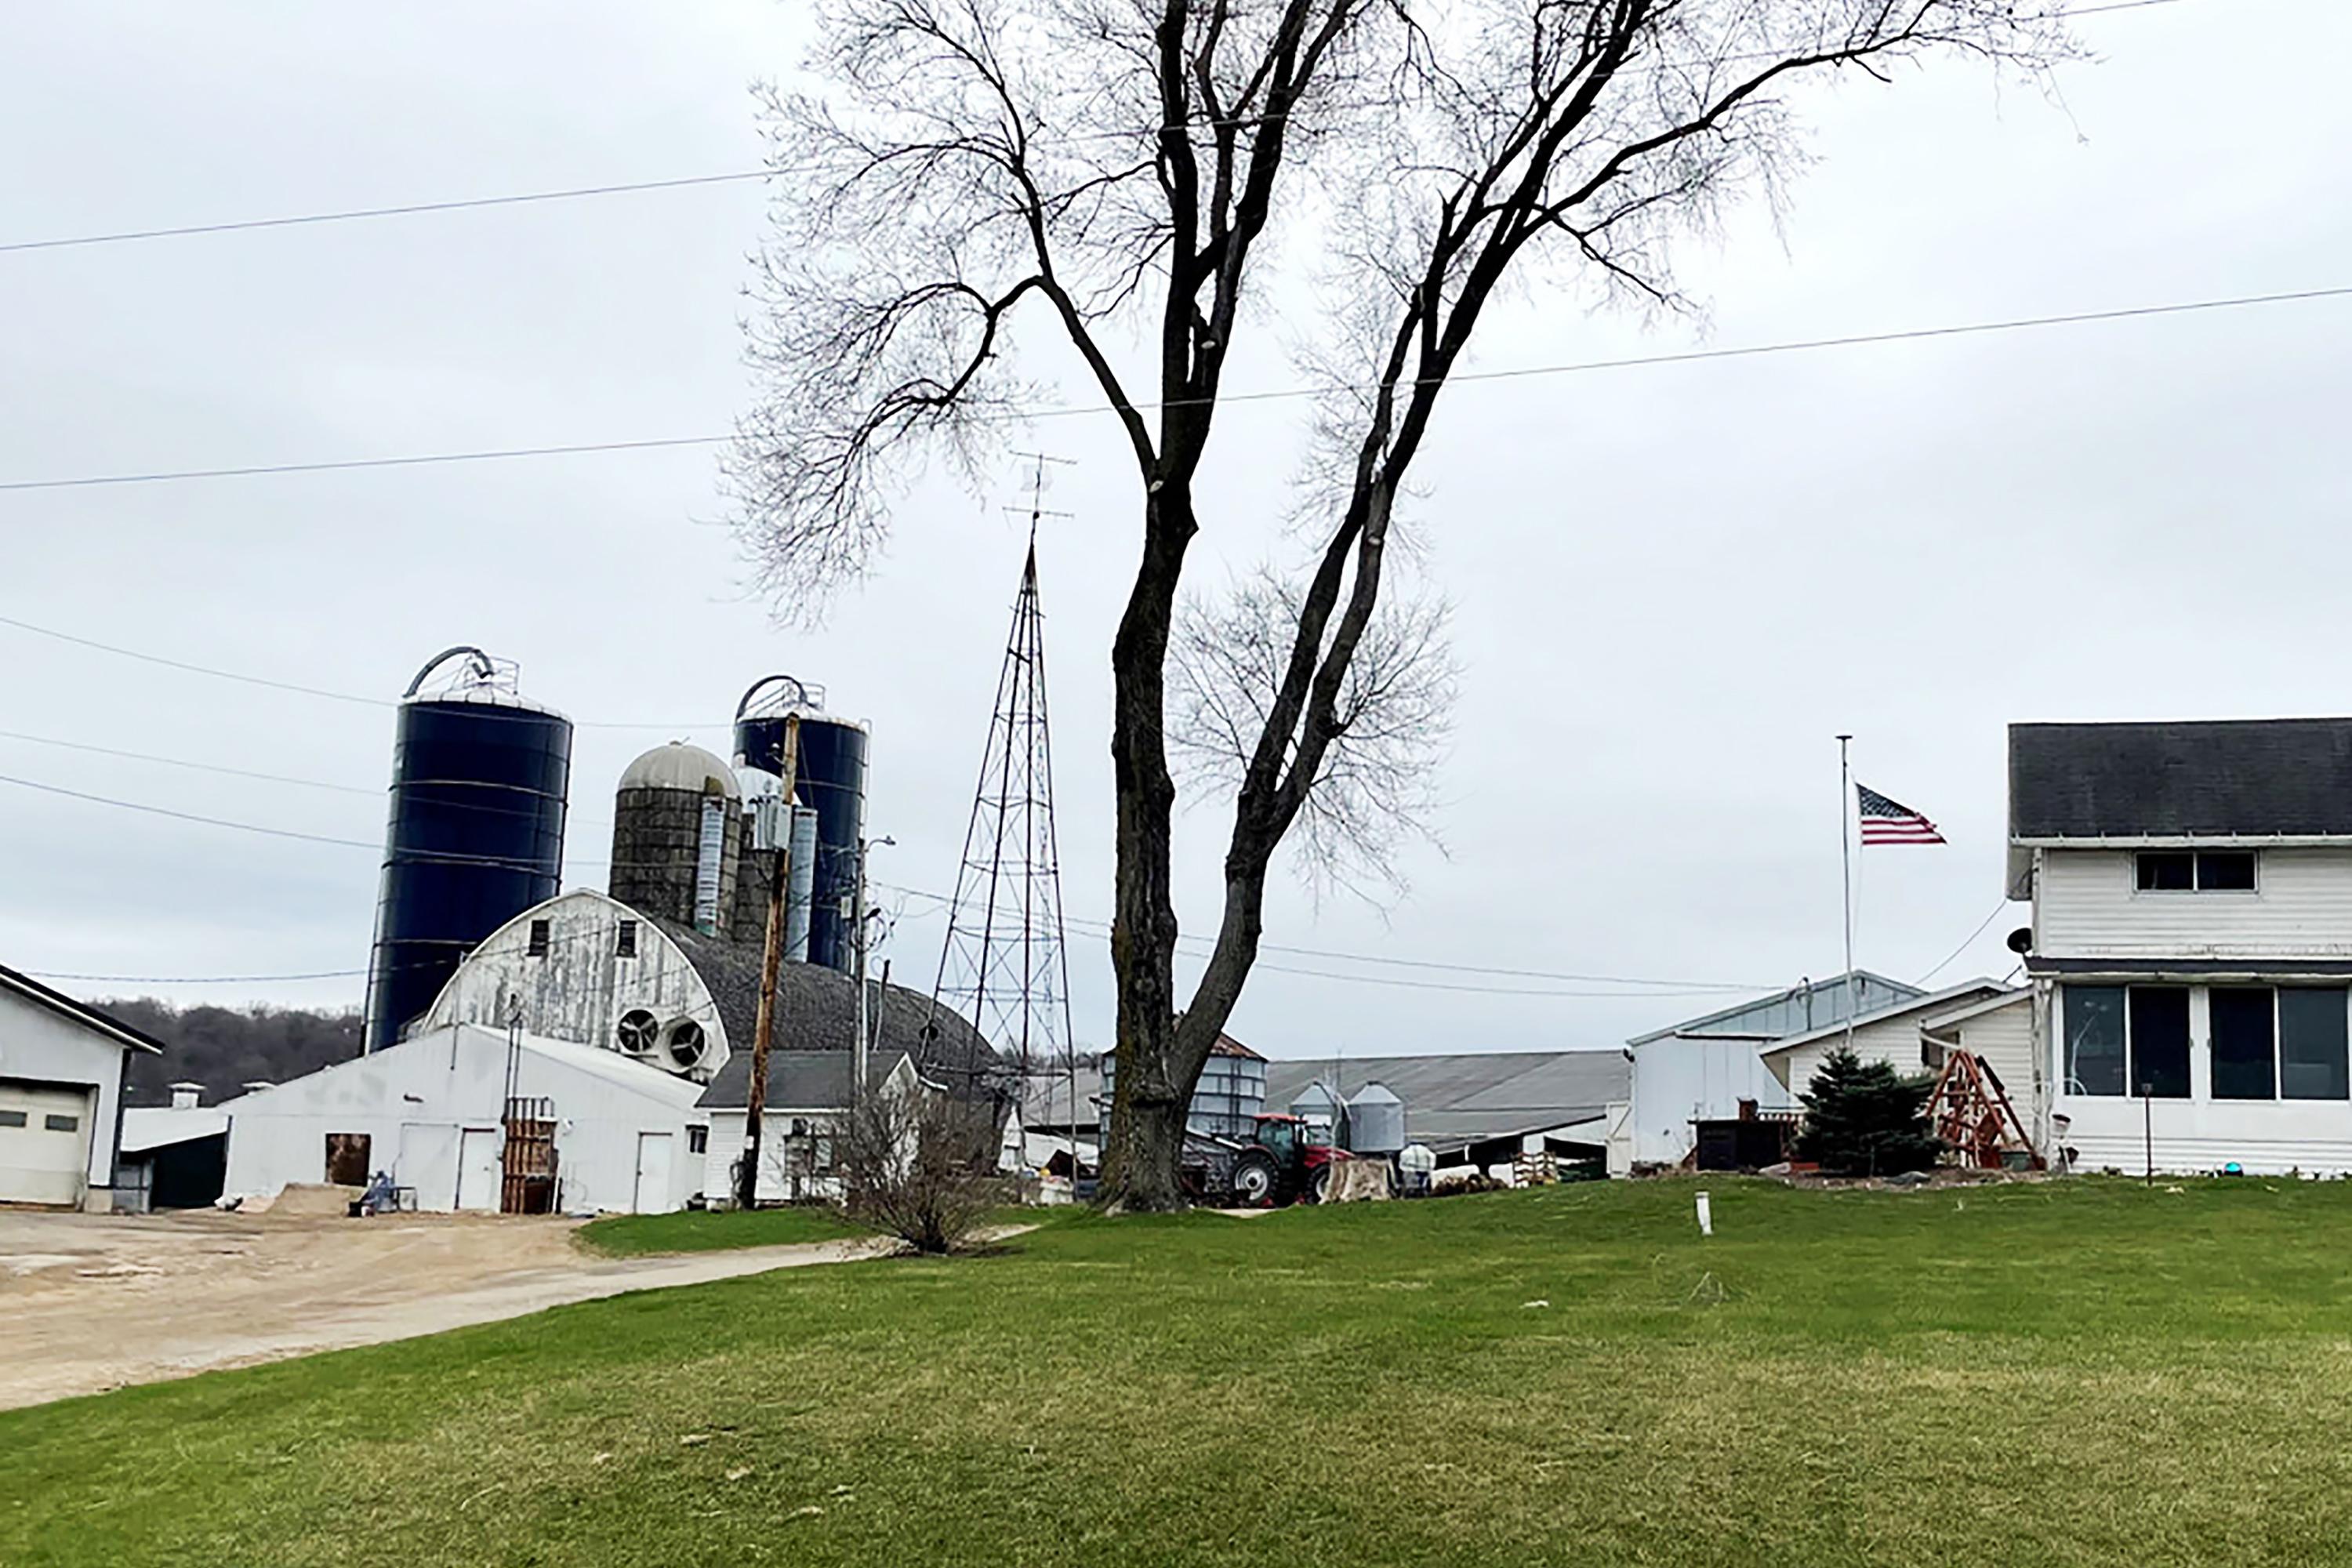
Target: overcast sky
{"points": [[1674, 585]]}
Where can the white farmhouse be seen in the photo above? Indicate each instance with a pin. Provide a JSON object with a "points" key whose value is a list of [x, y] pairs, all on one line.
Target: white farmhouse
{"points": [[62, 1065], [2191, 942]]}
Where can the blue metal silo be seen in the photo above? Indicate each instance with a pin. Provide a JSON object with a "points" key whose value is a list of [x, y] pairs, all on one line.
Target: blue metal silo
{"points": [[831, 781], [480, 775]]}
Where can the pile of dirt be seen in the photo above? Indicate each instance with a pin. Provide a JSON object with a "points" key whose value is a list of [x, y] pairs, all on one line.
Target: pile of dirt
{"points": [[305, 1200]]}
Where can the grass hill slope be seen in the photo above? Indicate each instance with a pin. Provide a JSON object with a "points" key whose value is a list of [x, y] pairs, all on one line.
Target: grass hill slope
{"points": [[2089, 1371]]}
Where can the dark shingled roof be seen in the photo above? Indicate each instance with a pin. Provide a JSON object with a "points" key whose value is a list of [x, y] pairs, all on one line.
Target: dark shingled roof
{"points": [[2248, 776], [817, 1013], [797, 1080]]}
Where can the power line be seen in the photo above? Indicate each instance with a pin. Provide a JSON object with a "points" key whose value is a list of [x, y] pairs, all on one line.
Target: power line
{"points": [[1270, 395], [1102, 931], [737, 176], [183, 763], [1965, 943], [275, 685], [1698, 988]]}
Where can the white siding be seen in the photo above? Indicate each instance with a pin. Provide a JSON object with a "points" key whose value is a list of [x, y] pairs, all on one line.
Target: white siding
{"points": [[1679, 1077], [41, 1045], [416, 1100], [2087, 905], [1892, 1040], [2004, 1039]]}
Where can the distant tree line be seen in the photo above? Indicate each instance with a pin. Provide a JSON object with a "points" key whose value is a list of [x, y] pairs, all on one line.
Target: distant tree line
{"points": [[224, 1048]]}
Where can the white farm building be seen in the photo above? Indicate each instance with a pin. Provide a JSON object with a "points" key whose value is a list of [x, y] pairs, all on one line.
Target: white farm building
{"points": [[62, 1065], [433, 1113]]}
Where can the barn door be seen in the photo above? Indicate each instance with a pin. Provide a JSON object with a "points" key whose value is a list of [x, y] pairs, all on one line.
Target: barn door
{"points": [[653, 1174], [479, 1176]]}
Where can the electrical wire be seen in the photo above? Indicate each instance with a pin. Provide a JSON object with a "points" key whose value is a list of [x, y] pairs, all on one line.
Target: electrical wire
{"points": [[184, 762], [1270, 394], [275, 685], [1693, 988], [737, 176], [1970, 938], [1100, 931]]}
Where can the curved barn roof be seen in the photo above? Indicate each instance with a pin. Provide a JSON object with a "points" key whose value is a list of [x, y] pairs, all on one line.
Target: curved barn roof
{"points": [[817, 1011]]}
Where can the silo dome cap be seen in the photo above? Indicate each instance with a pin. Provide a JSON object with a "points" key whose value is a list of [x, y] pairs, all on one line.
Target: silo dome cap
{"points": [[681, 766]]}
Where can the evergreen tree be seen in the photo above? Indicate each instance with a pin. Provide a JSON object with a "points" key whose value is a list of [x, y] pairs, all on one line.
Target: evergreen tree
{"points": [[1864, 1119]]}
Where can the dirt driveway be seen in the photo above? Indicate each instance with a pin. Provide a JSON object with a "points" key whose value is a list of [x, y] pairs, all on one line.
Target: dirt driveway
{"points": [[90, 1302]]}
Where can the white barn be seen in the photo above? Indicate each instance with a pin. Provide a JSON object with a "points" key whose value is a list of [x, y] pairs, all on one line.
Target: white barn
{"points": [[62, 1066], [431, 1110], [1701, 1070], [2191, 945]]}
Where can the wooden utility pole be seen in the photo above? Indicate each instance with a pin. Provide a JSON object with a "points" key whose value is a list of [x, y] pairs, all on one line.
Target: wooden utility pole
{"points": [[746, 1178]]}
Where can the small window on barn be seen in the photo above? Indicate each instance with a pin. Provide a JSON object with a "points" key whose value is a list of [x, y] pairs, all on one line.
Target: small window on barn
{"points": [[698, 1140], [62, 1123], [2225, 871], [12, 1119], [626, 946], [2167, 871], [539, 937]]}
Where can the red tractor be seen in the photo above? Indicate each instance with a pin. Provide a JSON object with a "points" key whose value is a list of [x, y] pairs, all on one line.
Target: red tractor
{"points": [[1278, 1166]]}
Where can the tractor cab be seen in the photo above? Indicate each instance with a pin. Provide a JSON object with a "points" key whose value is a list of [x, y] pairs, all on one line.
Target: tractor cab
{"points": [[1284, 1135]]}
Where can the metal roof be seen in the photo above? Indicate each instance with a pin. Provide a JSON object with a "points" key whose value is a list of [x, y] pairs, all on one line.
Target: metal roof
{"points": [[797, 1080], [1785, 1012], [1470, 1096], [2212, 778]]}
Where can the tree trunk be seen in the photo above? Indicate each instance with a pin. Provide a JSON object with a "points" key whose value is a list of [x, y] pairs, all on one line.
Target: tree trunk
{"points": [[1143, 1156]]}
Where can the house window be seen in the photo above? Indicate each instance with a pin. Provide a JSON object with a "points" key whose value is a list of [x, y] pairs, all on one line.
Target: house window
{"points": [[62, 1123], [12, 1119], [539, 939], [2159, 1016], [2244, 1021], [2311, 1027], [627, 947], [698, 1140], [2199, 871], [2094, 1039]]}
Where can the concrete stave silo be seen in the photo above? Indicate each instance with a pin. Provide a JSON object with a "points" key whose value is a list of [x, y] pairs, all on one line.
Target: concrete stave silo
{"points": [[677, 837]]}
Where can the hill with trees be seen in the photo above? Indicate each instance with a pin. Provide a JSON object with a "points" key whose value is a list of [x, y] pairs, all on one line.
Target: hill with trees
{"points": [[224, 1048]]}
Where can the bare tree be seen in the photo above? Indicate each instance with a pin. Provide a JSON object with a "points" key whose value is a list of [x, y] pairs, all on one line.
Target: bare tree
{"points": [[1378, 783], [916, 1164], [1098, 168]]}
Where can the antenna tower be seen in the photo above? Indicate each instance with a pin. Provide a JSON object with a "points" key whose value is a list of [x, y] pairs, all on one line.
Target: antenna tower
{"points": [[1003, 966]]}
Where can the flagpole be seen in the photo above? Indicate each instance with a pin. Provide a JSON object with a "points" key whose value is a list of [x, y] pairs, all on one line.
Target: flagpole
{"points": [[1845, 875]]}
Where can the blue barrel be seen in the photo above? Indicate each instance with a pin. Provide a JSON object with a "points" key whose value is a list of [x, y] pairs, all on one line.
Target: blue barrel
{"points": [[830, 780], [479, 777]]}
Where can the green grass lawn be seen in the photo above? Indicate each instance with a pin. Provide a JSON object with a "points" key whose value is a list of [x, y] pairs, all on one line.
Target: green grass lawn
{"points": [[2085, 1372], [638, 1235]]}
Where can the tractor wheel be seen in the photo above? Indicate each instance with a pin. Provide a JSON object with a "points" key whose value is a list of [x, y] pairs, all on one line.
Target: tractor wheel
{"points": [[1254, 1178], [1319, 1183]]}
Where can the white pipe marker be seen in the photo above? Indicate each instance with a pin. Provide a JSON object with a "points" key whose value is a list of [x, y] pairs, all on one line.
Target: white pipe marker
{"points": [[1706, 1216]]}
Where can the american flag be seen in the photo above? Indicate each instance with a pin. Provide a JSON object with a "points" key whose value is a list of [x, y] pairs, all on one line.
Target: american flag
{"points": [[1885, 821]]}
